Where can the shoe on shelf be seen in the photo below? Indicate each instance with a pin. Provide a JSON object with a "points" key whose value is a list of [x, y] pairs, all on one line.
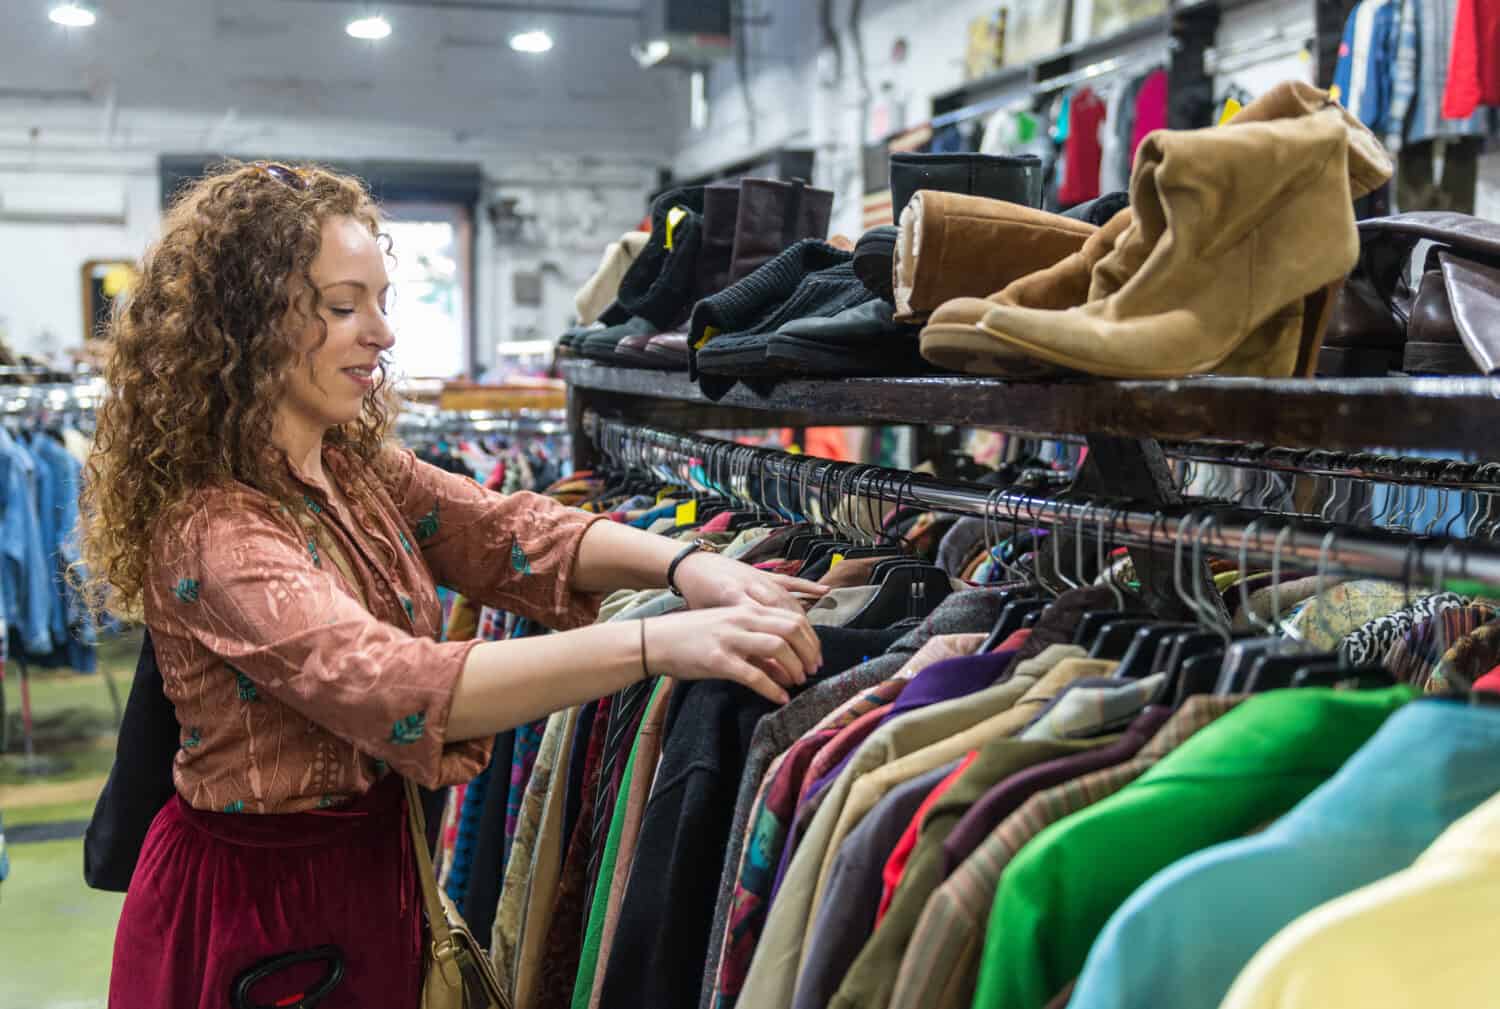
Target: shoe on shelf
{"points": [[956, 246], [1238, 241], [1013, 178]]}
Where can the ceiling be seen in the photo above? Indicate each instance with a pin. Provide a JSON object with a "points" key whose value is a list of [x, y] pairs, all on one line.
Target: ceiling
{"points": [[447, 68]]}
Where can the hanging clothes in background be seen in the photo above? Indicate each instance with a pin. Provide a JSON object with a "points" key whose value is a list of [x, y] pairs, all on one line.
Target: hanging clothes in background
{"points": [[1474, 67], [1082, 149], [40, 480], [1150, 110], [1364, 74], [1438, 162]]}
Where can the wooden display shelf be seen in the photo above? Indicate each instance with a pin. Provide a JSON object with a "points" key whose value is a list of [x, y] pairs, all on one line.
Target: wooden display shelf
{"points": [[1401, 414]]}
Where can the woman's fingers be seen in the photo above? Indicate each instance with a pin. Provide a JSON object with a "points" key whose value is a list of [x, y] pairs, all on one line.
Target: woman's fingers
{"points": [[796, 631], [801, 586], [761, 645], [746, 673]]}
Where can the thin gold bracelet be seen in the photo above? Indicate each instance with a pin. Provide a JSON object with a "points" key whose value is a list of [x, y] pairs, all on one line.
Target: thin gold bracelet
{"points": [[645, 670]]}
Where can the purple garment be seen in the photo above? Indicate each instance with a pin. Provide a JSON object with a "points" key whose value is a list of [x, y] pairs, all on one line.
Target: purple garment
{"points": [[941, 681], [1006, 797]]}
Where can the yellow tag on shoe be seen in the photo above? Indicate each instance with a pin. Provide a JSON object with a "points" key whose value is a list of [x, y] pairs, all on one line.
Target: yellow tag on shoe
{"points": [[1231, 109], [837, 560], [674, 218], [708, 334], [687, 513]]}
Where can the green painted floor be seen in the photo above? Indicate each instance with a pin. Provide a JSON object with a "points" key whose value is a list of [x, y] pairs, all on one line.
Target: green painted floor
{"points": [[57, 935]]}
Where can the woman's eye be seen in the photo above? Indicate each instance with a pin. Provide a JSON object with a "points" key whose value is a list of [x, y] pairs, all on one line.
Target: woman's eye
{"points": [[345, 312]]}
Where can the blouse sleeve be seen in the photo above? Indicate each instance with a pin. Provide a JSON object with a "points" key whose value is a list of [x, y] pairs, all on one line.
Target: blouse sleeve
{"points": [[514, 552], [242, 584]]}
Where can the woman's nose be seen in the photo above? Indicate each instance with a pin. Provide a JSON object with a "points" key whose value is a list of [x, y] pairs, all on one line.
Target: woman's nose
{"points": [[379, 333]]}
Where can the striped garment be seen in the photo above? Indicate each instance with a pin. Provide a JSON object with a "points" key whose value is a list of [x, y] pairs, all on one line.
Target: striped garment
{"points": [[774, 810], [939, 969]]}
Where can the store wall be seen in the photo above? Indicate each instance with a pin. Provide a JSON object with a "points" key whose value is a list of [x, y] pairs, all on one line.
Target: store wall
{"points": [[574, 206], [41, 300]]}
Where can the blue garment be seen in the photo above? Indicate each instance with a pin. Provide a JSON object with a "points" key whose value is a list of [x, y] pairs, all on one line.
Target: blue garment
{"points": [[4, 858], [1366, 69], [1183, 936], [646, 520], [57, 513], [468, 836], [25, 578]]}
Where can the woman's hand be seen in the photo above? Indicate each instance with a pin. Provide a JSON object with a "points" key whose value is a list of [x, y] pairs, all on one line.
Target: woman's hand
{"points": [[707, 580], [765, 648]]}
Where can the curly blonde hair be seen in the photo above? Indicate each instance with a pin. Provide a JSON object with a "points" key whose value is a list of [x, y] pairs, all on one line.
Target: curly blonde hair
{"points": [[199, 356]]}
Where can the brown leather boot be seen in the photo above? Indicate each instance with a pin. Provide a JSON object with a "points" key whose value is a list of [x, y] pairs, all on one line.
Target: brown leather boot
{"points": [[774, 216], [955, 246], [1234, 229]]}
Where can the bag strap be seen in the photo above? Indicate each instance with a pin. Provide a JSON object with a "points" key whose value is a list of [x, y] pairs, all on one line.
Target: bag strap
{"points": [[437, 917]]}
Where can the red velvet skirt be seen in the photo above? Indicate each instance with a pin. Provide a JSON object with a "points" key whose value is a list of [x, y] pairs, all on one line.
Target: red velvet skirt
{"points": [[217, 893]]}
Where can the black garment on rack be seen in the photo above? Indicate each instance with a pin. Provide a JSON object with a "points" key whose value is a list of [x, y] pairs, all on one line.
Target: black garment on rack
{"points": [[482, 895], [579, 748], [667, 913]]}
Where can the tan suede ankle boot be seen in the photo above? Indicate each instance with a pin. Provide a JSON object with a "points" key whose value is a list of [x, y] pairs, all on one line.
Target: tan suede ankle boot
{"points": [[953, 339]]}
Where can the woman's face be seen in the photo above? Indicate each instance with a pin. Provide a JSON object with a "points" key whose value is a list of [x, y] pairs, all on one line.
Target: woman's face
{"points": [[328, 383]]}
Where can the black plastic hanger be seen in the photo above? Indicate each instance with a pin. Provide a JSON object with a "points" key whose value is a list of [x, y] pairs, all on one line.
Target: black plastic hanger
{"points": [[1137, 661], [1332, 674]]}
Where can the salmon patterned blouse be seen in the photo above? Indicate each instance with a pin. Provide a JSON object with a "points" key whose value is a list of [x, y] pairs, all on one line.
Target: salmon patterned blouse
{"points": [[302, 656]]}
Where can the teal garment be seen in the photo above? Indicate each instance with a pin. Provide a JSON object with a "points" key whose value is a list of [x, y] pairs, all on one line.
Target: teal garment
{"points": [[1235, 776], [1171, 946]]}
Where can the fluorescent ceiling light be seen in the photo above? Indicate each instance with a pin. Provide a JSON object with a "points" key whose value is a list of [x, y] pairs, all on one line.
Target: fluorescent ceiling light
{"points": [[651, 53], [371, 28], [535, 41], [73, 15]]}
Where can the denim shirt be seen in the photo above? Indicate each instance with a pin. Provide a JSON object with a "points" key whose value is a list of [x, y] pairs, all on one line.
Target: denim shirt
{"points": [[57, 512], [25, 576]]}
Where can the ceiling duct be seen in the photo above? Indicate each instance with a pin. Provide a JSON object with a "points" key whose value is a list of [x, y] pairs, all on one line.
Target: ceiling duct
{"points": [[688, 34]]}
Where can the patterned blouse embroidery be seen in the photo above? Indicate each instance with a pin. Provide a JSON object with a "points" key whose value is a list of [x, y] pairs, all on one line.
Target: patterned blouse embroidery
{"points": [[335, 666]]}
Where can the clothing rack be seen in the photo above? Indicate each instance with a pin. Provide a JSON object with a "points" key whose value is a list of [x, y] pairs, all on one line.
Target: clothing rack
{"points": [[418, 418], [711, 464], [54, 396]]}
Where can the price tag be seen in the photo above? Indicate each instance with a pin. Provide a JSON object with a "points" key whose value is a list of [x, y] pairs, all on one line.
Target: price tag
{"points": [[687, 513]]}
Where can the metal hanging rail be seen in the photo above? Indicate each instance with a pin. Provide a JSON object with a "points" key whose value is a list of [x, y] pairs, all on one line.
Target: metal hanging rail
{"points": [[1458, 564]]}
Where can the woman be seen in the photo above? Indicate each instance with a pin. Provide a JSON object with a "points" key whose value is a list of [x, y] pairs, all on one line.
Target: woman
{"points": [[243, 497]]}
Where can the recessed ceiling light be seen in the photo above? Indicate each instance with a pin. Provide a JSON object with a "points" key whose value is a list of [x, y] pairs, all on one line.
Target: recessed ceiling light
{"points": [[73, 15], [371, 28], [531, 42]]}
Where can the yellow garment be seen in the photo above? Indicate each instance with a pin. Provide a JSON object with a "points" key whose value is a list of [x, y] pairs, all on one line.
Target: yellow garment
{"points": [[463, 620], [1034, 682], [1422, 937]]}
